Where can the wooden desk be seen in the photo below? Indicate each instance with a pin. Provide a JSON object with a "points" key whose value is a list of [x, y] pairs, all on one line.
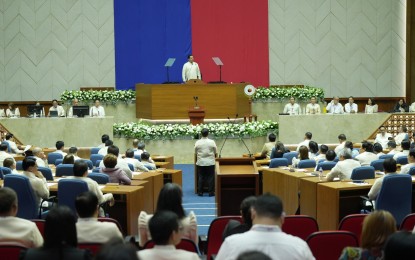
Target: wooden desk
{"points": [[262, 162], [308, 198], [148, 194], [164, 158], [155, 180], [173, 176], [235, 179], [161, 164]]}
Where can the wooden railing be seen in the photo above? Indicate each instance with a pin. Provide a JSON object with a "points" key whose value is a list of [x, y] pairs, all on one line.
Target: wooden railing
{"points": [[395, 121]]}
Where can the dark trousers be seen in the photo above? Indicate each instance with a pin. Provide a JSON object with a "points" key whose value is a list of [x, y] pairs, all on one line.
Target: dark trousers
{"points": [[206, 174]]}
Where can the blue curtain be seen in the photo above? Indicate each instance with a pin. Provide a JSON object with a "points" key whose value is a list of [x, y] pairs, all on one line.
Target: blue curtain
{"points": [[147, 33]]}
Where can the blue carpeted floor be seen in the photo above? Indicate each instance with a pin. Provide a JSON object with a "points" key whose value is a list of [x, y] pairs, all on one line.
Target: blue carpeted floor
{"points": [[204, 207]]}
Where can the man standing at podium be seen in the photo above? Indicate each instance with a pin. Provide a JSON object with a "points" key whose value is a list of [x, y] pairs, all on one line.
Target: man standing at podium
{"points": [[190, 69]]}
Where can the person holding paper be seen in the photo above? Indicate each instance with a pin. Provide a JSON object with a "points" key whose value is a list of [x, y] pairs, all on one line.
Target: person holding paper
{"points": [[190, 69]]}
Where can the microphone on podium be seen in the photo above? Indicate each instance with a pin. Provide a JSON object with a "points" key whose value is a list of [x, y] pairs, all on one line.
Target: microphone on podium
{"points": [[226, 138]]}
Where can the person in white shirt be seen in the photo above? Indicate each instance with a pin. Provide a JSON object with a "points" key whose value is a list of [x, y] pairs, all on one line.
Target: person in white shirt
{"points": [[349, 145], [36, 178], [145, 160], [205, 150], [411, 162], [13, 228], [12, 144], [405, 145], [412, 107], [334, 107], [139, 148], [392, 147], [389, 166], [56, 107], [312, 108], [378, 149], [60, 146], [11, 111], [266, 235], [342, 140], [350, 107], [366, 155], [2, 113], [371, 107], [88, 228], [402, 135], [4, 154], [322, 154], [166, 233], [307, 139], [11, 164], [292, 108], [138, 166], [97, 110], [104, 150], [41, 158], [104, 138], [74, 151], [344, 167], [383, 137], [121, 163], [190, 70], [75, 102]]}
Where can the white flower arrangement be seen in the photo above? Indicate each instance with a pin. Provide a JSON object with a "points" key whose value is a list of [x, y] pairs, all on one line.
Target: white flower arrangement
{"points": [[104, 96], [177, 131], [279, 93]]}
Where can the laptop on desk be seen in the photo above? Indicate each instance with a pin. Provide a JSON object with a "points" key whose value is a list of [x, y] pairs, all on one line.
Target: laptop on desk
{"points": [[53, 113]]}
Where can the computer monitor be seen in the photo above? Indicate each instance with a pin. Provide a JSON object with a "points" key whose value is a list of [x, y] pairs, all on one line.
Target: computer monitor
{"points": [[32, 109], [80, 111]]}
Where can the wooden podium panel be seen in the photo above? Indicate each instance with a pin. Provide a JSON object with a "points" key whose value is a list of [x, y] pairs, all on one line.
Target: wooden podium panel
{"points": [[236, 179], [172, 101]]}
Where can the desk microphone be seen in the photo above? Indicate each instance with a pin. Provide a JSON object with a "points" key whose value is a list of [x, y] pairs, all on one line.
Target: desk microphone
{"points": [[249, 152], [226, 138]]}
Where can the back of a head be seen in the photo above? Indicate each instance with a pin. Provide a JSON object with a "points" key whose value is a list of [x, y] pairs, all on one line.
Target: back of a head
{"points": [[367, 146], [135, 142], [253, 255], [145, 156], [377, 148], [389, 165], [73, 150], [80, 167], [303, 152], [313, 147], [115, 249], [108, 143], [342, 137], [272, 137], [392, 144], [374, 237], [110, 161], [36, 151], [9, 136], [3, 147], [170, 198], [400, 245], [162, 225], [346, 153], [59, 145], [330, 155], [68, 159], [8, 162], [323, 148], [112, 149], [245, 208], [349, 145], [141, 146], [129, 153], [104, 138], [60, 229], [205, 132], [308, 135], [268, 206], [411, 154], [8, 198], [86, 204], [279, 146], [28, 162], [406, 145]]}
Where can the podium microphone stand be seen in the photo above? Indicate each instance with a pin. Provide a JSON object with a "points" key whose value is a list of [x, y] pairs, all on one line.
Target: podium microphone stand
{"points": [[169, 63], [219, 63]]}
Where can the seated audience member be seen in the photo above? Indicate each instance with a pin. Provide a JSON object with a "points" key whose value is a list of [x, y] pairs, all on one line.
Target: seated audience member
{"points": [[349, 145], [11, 164], [292, 108], [145, 160], [88, 228], [165, 230], [400, 245], [115, 249], [392, 147], [97, 110], [60, 238], [383, 137], [302, 155], [121, 163], [266, 234], [266, 150], [234, 226], [68, 159], [60, 145], [411, 162], [138, 166], [170, 198], [140, 149], [389, 167], [80, 172], [322, 154], [412, 107], [12, 144], [13, 228], [36, 178], [366, 155], [74, 151], [313, 151], [373, 238], [278, 151], [405, 145], [4, 154], [342, 140], [343, 169], [116, 174], [307, 139], [75, 103], [329, 157], [401, 106], [253, 255], [378, 149], [371, 107], [350, 107], [104, 150], [334, 107], [402, 135], [2, 113], [56, 107], [40, 156], [104, 138], [12, 111], [136, 146], [312, 108]]}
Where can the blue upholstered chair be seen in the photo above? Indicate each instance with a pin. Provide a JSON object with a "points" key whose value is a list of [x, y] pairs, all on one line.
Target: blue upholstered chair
{"points": [[377, 164], [310, 163], [4, 171], [131, 167], [289, 156], [402, 160], [9, 150], [19, 165], [53, 156], [100, 178], [276, 162], [363, 173], [386, 156], [94, 150], [411, 171], [68, 190], [58, 161], [326, 165], [64, 170], [89, 162], [95, 157], [96, 169], [47, 173]]}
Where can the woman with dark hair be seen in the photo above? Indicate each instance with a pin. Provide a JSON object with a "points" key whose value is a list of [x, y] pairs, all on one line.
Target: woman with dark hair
{"points": [[234, 226], [68, 159], [313, 149], [400, 245], [60, 241], [349, 145], [371, 107], [401, 106], [170, 198], [278, 151], [302, 155]]}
